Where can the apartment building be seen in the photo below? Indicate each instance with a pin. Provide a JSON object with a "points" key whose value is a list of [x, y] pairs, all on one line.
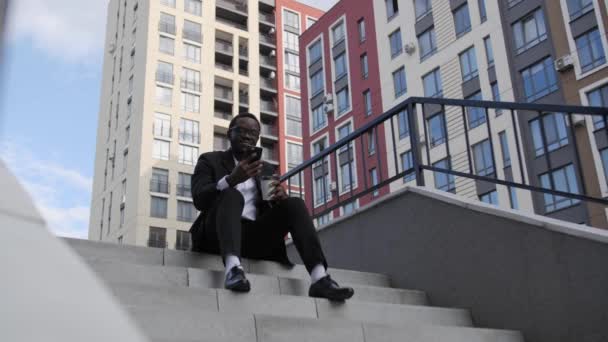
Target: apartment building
{"points": [[175, 72], [536, 51]]}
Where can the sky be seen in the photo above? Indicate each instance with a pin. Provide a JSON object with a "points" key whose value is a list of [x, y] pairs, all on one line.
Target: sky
{"points": [[52, 66]]}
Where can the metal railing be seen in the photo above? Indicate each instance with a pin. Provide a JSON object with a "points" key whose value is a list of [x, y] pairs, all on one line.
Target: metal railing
{"points": [[184, 190], [222, 115], [223, 93], [165, 77], [268, 61], [223, 46], [182, 246], [191, 85], [157, 243], [267, 106], [159, 186], [166, 27], [266, 17], [270, 130], [338, 158], [268, 39], [268, 83], [240, 6], [195, 36]]}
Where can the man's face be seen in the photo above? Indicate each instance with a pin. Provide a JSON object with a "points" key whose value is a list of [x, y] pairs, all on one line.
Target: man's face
{"points": [[245, 135]]}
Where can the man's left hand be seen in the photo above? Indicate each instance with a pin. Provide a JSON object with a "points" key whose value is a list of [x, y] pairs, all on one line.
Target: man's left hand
{"points": [[278, 193]]}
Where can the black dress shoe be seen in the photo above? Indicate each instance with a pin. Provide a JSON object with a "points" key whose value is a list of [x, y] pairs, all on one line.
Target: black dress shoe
{"points": [[328, 288], [236, 281]]}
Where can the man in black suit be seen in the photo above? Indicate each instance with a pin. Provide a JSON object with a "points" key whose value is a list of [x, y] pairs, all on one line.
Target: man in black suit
{"points": [[235, 222]]}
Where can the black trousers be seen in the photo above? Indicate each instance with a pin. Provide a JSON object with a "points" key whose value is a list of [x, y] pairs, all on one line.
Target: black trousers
{"points": [[264, 237]]}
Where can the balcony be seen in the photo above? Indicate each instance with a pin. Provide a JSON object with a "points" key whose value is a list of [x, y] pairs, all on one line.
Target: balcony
{"points": [[268, 40], [157, 243], [223, 66], [244, 99], [243, 52], [268, 62], [158, 186], [233, 13], [269, 131], [268, 107], [165, 77], [233, 5], [165, 27], [191, 85], [182, 245], [223, 47], [184, 190], [192, 35], [224, 94], [268, 84], [267, 19], [222, 115], [270, 155]]}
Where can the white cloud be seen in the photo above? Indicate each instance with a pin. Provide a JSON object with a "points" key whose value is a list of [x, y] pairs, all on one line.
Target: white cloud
{"points": [[61, 194], [72, 30]]}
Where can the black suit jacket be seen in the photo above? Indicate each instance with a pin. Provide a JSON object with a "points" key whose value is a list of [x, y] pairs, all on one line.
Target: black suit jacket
{"points": [[210, 169]]}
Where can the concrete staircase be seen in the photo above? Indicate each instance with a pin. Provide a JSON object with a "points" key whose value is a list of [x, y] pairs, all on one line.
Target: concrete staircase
{"points": [[179, 296]]}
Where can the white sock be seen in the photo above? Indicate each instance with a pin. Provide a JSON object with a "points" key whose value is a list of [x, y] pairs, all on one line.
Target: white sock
{"points": [[317, 273], [231, 261]]}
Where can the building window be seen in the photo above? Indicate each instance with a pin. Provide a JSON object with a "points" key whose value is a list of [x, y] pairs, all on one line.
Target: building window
{"points": [[576, 8], [322, 192], [193, 7], [185, 211], [182, 241], [348, 170], [482, 10], [362, 33], [529, 31], [462, 20], [319, 120], [504, 148], [184, 185], [349, 208], [192, 53], [539, 80], [403, 124], [292, 62], [444, 181], [476, 115], [191, 80], [364, 66], [162, 125], [482, 156], [310, 22], [292, 81], [392, 8], [604, 156], [556, 135], [422, 7], [338, 33], [220, 142], [428, 44], [399, 82], [157, 237], [167, 45], [373, 175], [487, 42], [187, 154], [564, 179], [598, 98], [343, 100], [167, 23], [158, 207], [490, 197], [164, 96], [371, 142], [513, 198], [291, 20], [496, 96], [192, 31], [340, 66], [468, 64], [437, 129], [396, 43], [290, 41], [294, 116], [295, 157], [159, 181], [407, 163], [314, 52], [432, 84], [367, 102], [170, 3], [164, 72], [590, 50], [191, 103], [160, 150], [189, 132], [316, 83]]}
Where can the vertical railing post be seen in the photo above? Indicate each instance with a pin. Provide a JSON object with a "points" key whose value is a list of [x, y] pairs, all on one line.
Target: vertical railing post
{"points": [[579, 166], [415, 143]]}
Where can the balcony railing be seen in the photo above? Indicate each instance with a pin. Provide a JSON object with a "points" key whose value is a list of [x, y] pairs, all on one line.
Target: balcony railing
{"points": [[186, 218], [166, 27], [191, 85], [222, 115], [268, 106], [243, 51], [268, 83], [244, 99], [223, 46], [240, 6], [159, 186], [193, 35], [270, 130], [223, 93], [165, 77], [268, 61], [182, 246], [184, 190], [423, 161], [223, 66], [267, 17], [157, 243], [268, 39], [269, 155]]}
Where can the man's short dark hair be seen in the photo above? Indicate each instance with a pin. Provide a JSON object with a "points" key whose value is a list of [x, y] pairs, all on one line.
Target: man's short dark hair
{"points": [[243, 115]]}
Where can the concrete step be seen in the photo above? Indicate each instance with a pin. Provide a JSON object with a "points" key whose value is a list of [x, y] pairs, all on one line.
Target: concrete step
{"points": [[100, 251], [279, 329], [163, 299], [124, 273]]}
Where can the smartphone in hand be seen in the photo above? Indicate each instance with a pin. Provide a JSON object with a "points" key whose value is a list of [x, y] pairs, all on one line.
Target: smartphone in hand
{"points": [[257, 153]]}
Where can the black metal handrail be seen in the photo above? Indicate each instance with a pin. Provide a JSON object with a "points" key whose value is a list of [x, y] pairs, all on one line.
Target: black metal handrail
{"points": [[411, 106]]}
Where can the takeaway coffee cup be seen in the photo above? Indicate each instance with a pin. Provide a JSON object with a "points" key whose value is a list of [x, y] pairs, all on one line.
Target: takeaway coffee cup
{"points": [[268, 184]]}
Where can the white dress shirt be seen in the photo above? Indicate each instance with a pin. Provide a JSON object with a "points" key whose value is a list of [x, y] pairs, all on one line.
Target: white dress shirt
{"points": [[249, 191]]}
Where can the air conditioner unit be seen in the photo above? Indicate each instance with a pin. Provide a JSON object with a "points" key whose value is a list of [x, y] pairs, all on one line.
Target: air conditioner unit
{"points": [[273, 53], [329, 99], [333, 186], [272, 31], [564, 63], [328, 108], [410, 48], [272, 75], [578, 120]]}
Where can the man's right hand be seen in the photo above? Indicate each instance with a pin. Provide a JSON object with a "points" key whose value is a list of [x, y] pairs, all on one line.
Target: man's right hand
{"points": [[244, 170]]}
